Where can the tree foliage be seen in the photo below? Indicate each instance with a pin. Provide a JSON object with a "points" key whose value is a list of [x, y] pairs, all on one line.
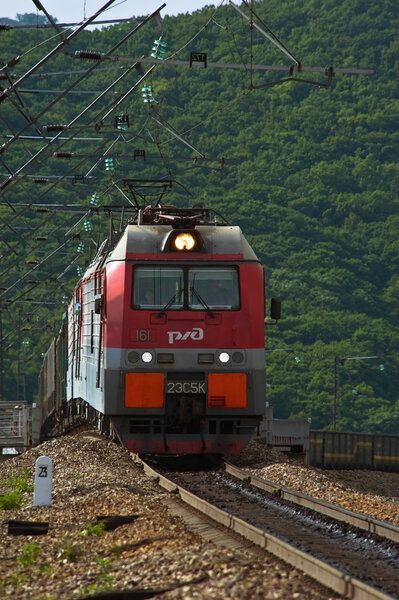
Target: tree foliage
{"points": [[310, 175]]}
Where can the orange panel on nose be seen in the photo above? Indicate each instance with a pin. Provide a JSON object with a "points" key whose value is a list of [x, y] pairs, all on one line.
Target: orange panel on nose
{"points": [[227, 390], [144, 390]]}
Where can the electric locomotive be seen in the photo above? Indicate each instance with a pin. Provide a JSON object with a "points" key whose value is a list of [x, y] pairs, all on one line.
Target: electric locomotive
{"points": [[165, 334]]}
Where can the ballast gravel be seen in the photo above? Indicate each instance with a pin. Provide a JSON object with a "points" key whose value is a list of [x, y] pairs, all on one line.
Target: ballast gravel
{"points": [[155, 555]]}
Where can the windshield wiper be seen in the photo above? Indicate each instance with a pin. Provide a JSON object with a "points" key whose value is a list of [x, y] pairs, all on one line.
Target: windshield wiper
{"points": [[202, 301], [170, 302]]}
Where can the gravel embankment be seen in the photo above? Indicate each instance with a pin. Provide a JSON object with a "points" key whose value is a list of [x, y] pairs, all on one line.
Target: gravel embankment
{"points": [[373, 493], [156, 551]]}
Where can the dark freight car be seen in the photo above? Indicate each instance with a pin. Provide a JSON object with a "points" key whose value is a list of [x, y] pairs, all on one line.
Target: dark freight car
{"points": [[345, 450]]}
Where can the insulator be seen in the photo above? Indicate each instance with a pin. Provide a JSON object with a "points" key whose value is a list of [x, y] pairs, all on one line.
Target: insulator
{"points": [[146, 92], [40, 180], [52, 128], [79, 271], [25, 342], [95, 199], [109, 164], [64, 299], [81, 248], [13, 61], [297, 359], [159, 49], [41, 238], [381, 367], [5, 27], [87, 226], [89, 55], [63, 154]]}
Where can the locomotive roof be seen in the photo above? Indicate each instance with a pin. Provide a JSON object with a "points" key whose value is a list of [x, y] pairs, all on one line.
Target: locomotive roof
{"points": [[149, 239]]}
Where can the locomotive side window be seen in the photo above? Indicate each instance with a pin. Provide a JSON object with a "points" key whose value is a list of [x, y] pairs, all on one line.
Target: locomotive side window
{"points": [[157, 287], [215, 288]]}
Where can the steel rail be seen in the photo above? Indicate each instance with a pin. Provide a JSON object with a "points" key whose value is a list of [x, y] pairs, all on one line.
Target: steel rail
{"points": [[339, 582], [381, 528]]}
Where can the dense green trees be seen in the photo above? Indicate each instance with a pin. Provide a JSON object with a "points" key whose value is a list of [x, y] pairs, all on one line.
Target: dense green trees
{"points": [[310, 175]]}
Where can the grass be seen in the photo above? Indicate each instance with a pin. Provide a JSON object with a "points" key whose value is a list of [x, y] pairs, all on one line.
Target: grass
{"points": [[97, 529], [11, 491]]}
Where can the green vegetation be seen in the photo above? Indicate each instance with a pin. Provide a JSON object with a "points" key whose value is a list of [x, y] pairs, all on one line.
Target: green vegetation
{"points": [[12, 489], [27, 565], [103, 578], [69, 551], [310, 175], [28, 556], [97, 529]]}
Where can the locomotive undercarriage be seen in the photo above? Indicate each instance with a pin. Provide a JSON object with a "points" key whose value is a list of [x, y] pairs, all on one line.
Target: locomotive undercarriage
{"points": [[74, 414], [184, 418]]}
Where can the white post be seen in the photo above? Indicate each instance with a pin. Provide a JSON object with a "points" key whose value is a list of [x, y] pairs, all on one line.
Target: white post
{"points": [[43, 481]]}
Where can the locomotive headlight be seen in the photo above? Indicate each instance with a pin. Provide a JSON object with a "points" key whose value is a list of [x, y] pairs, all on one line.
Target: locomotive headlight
{"points": [[184, 241], [147, 357], [224, 357]]}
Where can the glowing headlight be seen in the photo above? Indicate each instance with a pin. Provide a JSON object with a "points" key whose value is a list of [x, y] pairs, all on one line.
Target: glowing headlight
{"points": [[146, 357], [224, 357], [184, 241]]}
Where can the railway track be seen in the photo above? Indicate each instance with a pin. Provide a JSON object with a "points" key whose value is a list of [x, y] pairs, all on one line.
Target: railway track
{"points": [[355, 556]]}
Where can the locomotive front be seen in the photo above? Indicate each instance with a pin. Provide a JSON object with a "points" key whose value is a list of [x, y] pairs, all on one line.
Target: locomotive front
{"points": [[183, 335]]}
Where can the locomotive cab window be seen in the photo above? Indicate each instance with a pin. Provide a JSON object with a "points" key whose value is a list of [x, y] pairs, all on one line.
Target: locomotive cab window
{"points": [[216, 288], [186, 288], [156, 287]]}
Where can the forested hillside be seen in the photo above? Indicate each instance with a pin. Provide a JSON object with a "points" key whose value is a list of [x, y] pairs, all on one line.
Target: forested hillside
{"points": [[310, 174]]}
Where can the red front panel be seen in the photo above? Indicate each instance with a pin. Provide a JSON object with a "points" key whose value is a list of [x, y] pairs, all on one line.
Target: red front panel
{"points": [[129, 328]]}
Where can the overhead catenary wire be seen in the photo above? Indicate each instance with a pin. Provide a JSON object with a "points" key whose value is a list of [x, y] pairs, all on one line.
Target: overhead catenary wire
{"points": [[7, 92], [161, 121], [268, 33], [17, 215], [40, 6], [23, 248], [17, 59], [12, 286], [83, 76], [21, 170], [51, 187]]}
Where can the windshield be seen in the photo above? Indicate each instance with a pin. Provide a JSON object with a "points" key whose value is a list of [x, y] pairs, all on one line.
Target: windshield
{"points": [[217, 288], [154, 288], [189, 288]]}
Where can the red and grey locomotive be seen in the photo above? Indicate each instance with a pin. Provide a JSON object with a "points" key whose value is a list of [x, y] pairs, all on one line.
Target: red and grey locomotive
{"points": [[165, 334]]}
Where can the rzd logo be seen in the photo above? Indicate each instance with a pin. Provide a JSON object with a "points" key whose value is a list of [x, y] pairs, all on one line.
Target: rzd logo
{"points": [[177, 336]]}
